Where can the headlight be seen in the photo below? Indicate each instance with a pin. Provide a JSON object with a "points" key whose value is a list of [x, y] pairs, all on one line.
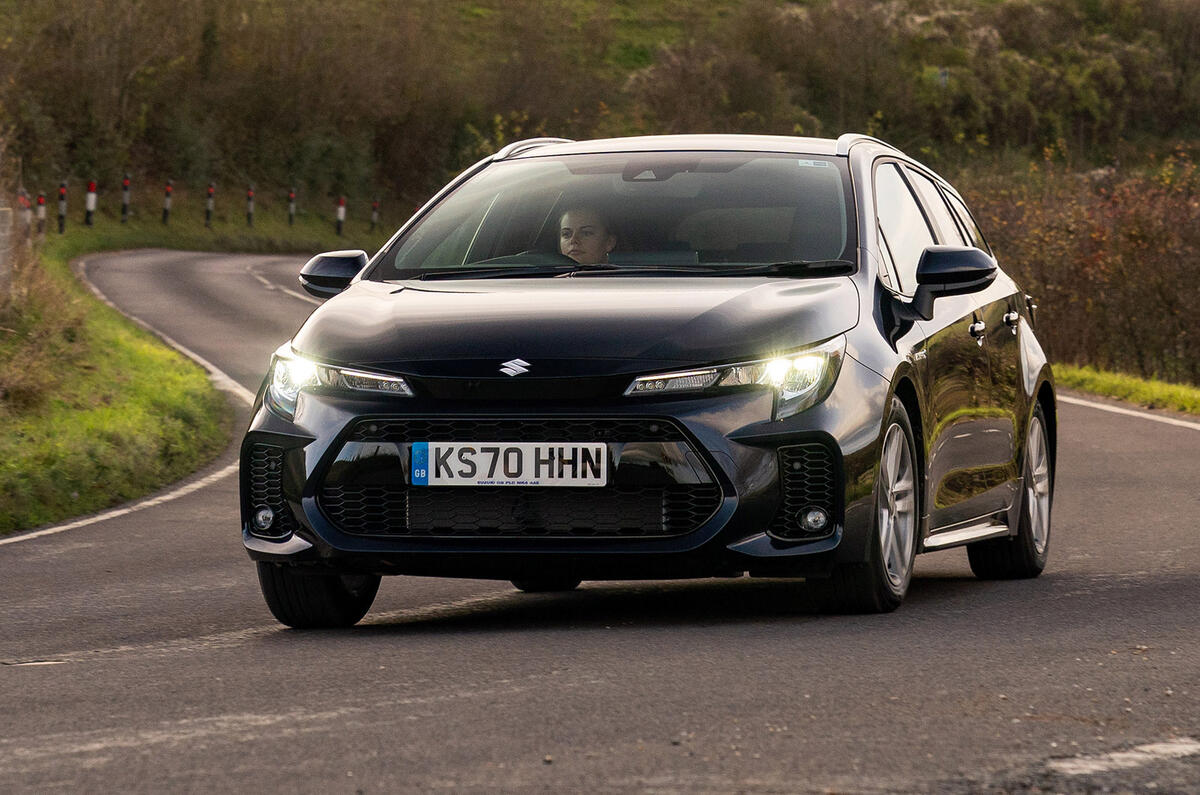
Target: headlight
{"points": [[801, 379], [291, 373]]}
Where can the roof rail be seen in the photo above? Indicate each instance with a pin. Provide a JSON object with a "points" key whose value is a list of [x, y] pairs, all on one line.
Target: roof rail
{"points": [[516, 147], [847, 140]]}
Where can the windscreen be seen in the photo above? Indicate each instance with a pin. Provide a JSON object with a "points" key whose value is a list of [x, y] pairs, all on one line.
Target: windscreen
{"points": [[656, 209]]}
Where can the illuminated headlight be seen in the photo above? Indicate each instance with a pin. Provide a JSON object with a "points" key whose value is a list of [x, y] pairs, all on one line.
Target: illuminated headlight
{"points": [[801, 379], [292, 373]]}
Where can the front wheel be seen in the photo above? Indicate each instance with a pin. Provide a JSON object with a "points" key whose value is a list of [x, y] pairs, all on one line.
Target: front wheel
{"points": [[1023, 555], [880, 584], [315, 601]]}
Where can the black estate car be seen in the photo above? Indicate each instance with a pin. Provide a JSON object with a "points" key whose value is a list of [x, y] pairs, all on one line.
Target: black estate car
{"points": [[658, 357]]}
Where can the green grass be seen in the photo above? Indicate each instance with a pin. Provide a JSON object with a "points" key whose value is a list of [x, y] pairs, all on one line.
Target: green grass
{"points": [[96, 411], [1145, 392]]}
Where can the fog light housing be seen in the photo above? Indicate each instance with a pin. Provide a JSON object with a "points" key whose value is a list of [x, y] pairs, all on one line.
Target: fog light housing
{"points": [[264, 517], [815, 520]]}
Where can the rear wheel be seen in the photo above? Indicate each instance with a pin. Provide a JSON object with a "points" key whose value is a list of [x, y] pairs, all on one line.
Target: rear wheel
{"points": [[1023, 555], [312, 601], [879, 585], [546, 586]]}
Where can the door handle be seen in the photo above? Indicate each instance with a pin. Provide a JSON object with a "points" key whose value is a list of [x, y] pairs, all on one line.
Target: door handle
{"points": [[1011, 319], [977, 329]]}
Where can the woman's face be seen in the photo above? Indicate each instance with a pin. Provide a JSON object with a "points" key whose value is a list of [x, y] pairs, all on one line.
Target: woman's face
{"points": [[583, 237]]}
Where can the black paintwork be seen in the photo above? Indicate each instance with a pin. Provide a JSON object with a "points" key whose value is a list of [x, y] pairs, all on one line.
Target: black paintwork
{"points": [[970, 390]]}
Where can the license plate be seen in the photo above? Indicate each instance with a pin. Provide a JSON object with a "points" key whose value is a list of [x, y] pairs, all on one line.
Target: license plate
{"points": [[509, 464]]}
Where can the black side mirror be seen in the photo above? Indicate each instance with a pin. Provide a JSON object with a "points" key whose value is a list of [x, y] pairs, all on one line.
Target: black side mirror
{"points": [[950, 270], [326, 275]]}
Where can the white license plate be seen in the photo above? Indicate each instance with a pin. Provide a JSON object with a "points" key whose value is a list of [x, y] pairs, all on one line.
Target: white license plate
{"points": [[509, 464]]}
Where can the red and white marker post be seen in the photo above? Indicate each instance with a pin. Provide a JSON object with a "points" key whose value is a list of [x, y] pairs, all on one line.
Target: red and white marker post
{"points": [[341, 214], [209, 204], [89, 203], [292, 207], [125, 198], [168, 190], [250, 206], [26, 212], [40, 214], [62, 207]]}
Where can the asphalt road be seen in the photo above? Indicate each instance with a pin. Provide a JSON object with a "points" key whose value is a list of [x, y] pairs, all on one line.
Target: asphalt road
{"points": [[137, 652]]}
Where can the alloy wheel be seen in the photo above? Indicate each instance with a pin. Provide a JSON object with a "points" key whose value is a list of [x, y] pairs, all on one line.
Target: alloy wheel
{"points": [[897, 503], [1037, 485]]}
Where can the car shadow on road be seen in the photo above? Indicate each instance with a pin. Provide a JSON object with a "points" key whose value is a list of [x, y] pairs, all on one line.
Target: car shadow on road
{"points": [[606, 605]]}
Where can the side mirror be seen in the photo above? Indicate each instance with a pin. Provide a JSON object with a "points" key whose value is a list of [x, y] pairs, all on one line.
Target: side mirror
{"points": [[326, 275], [950, 270]]}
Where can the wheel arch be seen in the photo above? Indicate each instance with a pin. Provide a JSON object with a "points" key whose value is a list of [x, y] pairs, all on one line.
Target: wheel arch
{"points": [[1049, 403]]}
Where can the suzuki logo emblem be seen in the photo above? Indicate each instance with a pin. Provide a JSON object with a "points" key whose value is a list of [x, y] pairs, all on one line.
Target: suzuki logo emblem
{"points": [[515, 367]]}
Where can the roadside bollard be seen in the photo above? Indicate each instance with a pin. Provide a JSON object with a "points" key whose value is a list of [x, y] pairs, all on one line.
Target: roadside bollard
{"points": [[125, 198], [209, 203], [62, 207], [341, 214], [40, 214], [170, 188], [26, 212], [250, 206], [292, 207], [374, 214], [89, 203]]}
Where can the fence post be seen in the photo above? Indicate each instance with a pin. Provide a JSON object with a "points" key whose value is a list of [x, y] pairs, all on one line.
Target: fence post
{"points": [[41, 214], [62, 207], [250, 206], [374, 214], [125, 198], [166, 199], [341, 214], [292, 207], [26, 213], [89, 203], [209, 204], [6, 251]]}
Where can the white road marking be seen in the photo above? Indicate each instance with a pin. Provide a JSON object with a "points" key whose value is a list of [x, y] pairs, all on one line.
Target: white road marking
{"points": [[220, 381], [1195, 426], [175, 494], [1121, 760], [270, 285], [216, 375]]}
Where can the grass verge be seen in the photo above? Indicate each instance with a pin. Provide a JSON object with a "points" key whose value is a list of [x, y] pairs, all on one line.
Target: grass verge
{"points": [[95, 410], [1145, 392]]}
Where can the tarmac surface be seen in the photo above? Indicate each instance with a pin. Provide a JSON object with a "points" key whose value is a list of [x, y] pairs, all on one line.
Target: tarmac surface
{"points": [[136, 652]]}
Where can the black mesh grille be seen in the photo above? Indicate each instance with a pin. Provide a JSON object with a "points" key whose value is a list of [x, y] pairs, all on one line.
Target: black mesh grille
{"points": [[266, 488], [515, 430], [610, 512], [618, 510], [808, 479]]}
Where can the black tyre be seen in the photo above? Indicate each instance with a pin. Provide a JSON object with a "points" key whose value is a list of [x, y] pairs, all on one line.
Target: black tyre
{"points": [[313, 601], [880, 584], [546, 586], [1023, 555]]}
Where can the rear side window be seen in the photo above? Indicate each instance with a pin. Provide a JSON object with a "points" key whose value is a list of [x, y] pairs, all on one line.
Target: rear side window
{"points": [[947, 228], [964, 215], [905, 233]]}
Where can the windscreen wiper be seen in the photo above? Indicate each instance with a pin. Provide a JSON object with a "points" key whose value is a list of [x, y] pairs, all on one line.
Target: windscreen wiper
{"points": [[824, 267], [796, 267], [498, 272]]}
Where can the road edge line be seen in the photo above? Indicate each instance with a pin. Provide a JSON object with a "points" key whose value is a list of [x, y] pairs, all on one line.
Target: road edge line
{"points": [[219, 379], [1074, 401]]}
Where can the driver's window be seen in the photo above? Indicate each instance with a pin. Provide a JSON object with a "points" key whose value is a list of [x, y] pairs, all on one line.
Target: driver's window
{"points": [[903, 229]]}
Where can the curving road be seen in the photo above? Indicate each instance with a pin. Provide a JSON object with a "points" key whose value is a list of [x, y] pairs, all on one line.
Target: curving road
{"points": [[136, 652]]}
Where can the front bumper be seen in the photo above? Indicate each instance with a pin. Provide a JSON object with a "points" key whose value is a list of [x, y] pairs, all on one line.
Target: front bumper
{"points": [[742, 479]]}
